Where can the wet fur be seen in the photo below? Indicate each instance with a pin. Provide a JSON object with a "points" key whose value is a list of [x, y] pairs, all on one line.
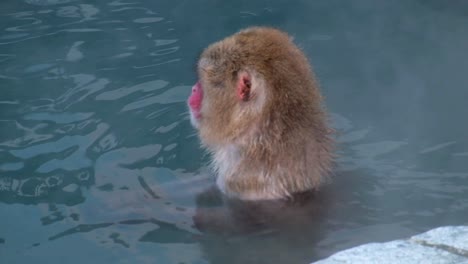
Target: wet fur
{"points": [[277, 143]]}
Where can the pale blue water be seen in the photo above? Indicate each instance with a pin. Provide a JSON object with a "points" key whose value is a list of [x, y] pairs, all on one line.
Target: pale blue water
{"points": [[99, 163]]}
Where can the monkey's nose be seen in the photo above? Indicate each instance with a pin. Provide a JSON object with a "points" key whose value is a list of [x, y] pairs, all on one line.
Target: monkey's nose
{"points": [[195, 99], [196, 88]]}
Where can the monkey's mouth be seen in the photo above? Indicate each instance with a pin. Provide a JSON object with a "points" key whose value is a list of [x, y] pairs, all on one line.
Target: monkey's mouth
{"points": [[195, 102], [194, 107], [196, 114], [194, 118]]}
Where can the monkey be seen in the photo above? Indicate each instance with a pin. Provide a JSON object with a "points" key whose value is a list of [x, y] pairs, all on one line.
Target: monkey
{"points": [[260, 115]]}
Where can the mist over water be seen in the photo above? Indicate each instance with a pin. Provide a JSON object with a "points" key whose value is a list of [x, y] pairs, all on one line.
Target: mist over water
{"points": [[99, 162]]}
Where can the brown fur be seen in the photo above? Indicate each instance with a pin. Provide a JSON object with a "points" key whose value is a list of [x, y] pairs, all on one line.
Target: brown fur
{"points": [[283, 141]]}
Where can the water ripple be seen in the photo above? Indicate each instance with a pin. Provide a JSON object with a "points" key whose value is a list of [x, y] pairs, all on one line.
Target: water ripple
{"points": [[59, 118], [121, 92], [173, 95], [145, 20]]}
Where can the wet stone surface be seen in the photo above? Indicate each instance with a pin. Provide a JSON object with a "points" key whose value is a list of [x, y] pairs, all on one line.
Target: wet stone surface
{"points": [[441, 245]]}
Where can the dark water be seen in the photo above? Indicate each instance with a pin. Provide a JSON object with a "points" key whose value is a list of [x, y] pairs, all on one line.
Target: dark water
{"points": [[99, 164]]}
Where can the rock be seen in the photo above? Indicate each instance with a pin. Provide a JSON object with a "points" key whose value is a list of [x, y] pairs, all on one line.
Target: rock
{"points": [[449, 238], [441, 245]]}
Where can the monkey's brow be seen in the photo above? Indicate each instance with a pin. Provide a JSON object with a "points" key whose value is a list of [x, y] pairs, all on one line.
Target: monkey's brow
{"points": [[204, 63]]}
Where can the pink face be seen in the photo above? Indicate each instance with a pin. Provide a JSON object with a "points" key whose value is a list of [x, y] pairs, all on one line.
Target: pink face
{"points": [[195, 101]]}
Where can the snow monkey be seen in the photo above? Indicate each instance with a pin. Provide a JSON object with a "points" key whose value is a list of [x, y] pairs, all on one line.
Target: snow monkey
{"points": [[258, 111]]}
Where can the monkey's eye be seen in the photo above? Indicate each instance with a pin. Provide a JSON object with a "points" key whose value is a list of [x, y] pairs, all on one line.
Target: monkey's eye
{"points": [[215, 79], [204, 70], [217, 83]]}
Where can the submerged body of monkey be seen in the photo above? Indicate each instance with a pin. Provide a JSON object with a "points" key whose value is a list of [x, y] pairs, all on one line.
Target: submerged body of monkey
{"points": [[257, 108]]}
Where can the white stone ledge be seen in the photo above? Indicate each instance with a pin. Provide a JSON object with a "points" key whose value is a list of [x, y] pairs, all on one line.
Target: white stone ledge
{"points": [[441, 245]]}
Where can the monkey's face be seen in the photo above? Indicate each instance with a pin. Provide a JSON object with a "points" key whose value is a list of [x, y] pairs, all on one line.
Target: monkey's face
{"points": [[227, 99], [236, 89]]}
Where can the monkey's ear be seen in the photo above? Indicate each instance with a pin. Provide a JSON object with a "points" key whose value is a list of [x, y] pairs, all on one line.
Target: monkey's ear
{"points": [[244, 86]]}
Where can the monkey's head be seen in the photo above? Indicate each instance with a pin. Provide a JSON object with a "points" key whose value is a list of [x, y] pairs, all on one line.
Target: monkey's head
{"points": [[239, 86]]}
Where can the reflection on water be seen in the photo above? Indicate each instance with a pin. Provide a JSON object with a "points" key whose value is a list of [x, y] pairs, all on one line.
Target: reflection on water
{"points": [[97, 154]]}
